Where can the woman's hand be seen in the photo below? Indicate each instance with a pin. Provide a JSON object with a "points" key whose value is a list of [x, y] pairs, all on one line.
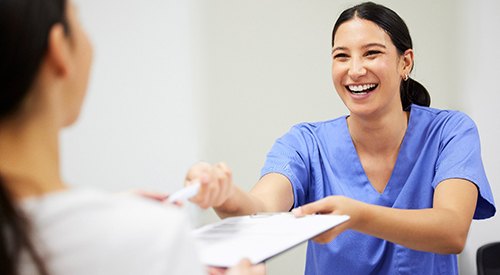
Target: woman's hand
{"points": [[156, 196], [216, 183], [334, 205], [244, 267]]}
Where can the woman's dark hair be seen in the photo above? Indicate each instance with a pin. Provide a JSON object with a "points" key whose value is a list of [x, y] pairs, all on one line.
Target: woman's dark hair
{"points": [[24, 31], [411, 91]]}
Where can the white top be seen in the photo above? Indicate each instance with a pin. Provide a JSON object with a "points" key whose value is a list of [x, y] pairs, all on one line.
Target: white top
{"points": [[88, 232]]}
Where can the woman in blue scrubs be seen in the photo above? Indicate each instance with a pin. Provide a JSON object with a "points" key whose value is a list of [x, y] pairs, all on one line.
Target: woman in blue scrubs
{"points": [[410, 177]]}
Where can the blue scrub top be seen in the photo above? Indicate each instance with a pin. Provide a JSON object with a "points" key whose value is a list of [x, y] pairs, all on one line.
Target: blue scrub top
{"points": [[320, 160]]}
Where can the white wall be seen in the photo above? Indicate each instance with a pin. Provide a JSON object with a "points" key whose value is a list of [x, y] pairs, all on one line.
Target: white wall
{"points": [[178, 81], [479, 72], [138, 127]]}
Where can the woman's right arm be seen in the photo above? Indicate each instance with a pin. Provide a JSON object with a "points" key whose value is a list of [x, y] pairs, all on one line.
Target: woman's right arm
{"points": [[272, 193]]}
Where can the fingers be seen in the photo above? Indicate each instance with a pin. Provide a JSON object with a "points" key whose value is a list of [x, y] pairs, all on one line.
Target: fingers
{"points": [[215, 183], [146, 194], [216, 270], [197, 171], [323, 206], [259, 269], [331, 234], [245, 267], [245, 263], [328, 205], [224, 178]]}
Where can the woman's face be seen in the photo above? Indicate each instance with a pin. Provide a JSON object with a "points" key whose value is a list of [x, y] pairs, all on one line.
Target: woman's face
{"points": [[367, 68], [81, 59]]}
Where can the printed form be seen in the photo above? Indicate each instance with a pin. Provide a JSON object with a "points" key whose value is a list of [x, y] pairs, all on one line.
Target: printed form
{"points": [[258, 237]]}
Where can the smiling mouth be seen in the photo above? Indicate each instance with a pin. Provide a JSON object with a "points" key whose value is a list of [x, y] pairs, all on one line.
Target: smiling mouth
{"points": [[361, 89]]}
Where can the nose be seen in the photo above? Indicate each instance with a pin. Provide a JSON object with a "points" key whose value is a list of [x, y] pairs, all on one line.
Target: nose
{"points": [[356, 68]]}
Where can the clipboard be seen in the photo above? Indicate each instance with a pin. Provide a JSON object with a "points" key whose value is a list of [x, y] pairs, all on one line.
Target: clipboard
{"points": [[258, 237]]}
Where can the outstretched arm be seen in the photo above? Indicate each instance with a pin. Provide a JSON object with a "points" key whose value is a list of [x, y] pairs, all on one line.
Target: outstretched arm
{"points": [[440, 229], [272, 193]]}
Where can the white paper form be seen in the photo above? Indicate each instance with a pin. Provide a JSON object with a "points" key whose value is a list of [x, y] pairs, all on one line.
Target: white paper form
{"points": [[258, 237]]}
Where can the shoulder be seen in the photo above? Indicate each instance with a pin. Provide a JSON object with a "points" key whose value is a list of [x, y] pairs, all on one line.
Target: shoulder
{"points": [[320, 125], [84, 205], [307, 134], [85, 227], [319, 128], [446, 120]]}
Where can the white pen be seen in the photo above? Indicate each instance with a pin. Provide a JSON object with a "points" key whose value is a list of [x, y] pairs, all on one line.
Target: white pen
{"points": [[184, 193]]}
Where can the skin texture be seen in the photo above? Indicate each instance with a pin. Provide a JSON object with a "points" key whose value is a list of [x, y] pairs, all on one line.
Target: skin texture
{"points": [[363, 55]]}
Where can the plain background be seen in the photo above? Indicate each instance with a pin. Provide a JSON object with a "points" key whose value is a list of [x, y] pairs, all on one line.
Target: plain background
{"points": [[175, 82]]}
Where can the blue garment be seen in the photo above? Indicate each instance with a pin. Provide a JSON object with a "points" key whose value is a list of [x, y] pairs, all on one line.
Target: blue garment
{"points": [[320, 160]]}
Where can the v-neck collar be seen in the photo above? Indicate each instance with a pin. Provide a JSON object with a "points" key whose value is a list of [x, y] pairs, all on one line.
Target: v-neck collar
{"points": [[396, 180]]}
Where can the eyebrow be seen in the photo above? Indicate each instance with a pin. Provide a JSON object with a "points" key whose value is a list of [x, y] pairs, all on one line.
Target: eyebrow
{"points": [[364, 47]]}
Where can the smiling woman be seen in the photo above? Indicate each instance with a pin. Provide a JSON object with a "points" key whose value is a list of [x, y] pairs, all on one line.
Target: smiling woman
{"points": [[410, 177], [395, 31]]}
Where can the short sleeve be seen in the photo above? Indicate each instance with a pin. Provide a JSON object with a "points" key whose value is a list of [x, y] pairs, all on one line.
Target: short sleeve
{"points": [[289, 156], [460, 157]]}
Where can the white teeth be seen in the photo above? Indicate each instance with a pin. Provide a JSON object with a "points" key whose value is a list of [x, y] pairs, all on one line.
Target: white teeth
{"points": [[361, 88]]}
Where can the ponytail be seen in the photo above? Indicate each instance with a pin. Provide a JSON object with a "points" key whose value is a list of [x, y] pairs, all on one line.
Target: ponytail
{"points": [[15, 236], [412, 92]]}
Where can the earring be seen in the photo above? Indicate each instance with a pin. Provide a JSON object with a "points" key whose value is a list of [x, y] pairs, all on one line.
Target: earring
{"points": [[405, 77]]}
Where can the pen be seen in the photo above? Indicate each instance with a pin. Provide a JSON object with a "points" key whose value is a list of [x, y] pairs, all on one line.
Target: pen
{"points": [[184, 193]]}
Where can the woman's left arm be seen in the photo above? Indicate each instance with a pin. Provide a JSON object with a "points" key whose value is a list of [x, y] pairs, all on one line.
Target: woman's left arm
{"points": [[441, 229]]}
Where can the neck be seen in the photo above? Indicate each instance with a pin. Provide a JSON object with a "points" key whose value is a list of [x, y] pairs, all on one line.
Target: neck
{"points": [[29, 156], [379, 135]]}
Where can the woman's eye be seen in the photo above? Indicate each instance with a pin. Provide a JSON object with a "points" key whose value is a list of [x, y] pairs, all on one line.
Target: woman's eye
{"points": [[372, 53], [340, 56]]}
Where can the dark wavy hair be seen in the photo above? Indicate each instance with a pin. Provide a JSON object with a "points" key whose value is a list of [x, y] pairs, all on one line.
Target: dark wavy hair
{"points": [[24, 31], [411, 91]]}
